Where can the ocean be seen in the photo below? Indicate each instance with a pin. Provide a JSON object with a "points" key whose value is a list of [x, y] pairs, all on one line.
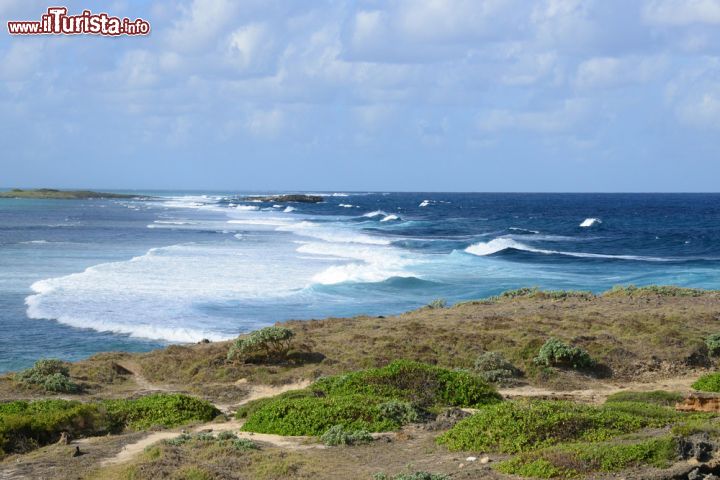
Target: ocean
{"points": [[86, 276]]}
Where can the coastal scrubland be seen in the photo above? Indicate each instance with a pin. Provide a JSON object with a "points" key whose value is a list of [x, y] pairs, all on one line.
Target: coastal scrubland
{"points": [[530, 383], [54, 194]]}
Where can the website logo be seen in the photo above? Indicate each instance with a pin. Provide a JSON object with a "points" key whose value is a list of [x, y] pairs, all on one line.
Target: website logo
{"points": [[57, 22]]}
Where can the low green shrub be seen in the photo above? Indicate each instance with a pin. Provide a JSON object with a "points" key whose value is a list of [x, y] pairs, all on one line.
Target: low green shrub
{"points": [[659, 290], [437, 303], [493, 368], [709, 382], [315, 415], [222, 439], [523, 425], [376, 399], [398, 411], [52, 375], [418, 383], [713, 344], [270, 343], [411, 476], [556, 353], [28, 425], [163, 409], [657, 397], [572, 460], [339, 435]]}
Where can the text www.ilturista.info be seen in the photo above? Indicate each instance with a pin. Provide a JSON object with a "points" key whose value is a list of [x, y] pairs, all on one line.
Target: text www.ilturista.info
{"points": [[57, 22]]}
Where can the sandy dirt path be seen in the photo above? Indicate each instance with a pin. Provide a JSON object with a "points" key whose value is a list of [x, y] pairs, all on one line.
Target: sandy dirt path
{"points": [[256, 392]]}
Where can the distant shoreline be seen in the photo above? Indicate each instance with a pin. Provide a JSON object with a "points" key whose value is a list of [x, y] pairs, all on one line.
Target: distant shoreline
{"points": [[54, 194]]}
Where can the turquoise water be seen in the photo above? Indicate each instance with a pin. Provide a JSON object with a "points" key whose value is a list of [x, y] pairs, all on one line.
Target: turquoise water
{"points": [[79, 277]]}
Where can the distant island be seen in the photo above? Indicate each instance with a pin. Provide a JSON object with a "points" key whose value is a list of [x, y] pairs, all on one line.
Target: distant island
{"points": [[50, 193], [302, 198]]}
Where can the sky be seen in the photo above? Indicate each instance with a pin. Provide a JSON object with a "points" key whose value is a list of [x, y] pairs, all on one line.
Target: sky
{"points": [[404, 95]]}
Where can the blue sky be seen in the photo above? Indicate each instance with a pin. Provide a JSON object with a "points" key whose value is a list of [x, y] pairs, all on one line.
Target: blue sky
{"points": [[496, 95]]}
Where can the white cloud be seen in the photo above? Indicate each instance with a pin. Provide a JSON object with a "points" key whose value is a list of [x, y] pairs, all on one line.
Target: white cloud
{"points": [[562, 118], [21, 59], [266, 123], [250, 47], [601, 72], [682, 12]]}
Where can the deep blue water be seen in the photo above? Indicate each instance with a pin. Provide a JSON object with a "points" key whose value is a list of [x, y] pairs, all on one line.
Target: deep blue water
{"points": [[80, 277]]}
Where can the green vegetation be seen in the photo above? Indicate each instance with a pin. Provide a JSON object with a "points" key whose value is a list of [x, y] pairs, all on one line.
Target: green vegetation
{"points": [[25, 425], [165, 410], [50, 193], [493, 368], [713, 344], [270, 343], [222, 439], [437, 303], [709, 382], [411, 476], [422, 385], [572, 460], [659, 290], [376, 399], [339, 435], [556, 353], [51, 375], [518, 426], [657, 397], [398, 411]]}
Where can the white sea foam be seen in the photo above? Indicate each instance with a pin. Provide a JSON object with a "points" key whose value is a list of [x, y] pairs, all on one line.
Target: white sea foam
{"points": [[367, 263], [503, 243], [35, 242], [424, 203], [375, 213], [589, 222], [289, 209], [390, 218], [330, 234], [345, 205], [247, 208]]}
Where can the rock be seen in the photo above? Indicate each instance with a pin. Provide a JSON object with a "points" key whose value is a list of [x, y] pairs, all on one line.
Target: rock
{"points": [[470, 459], [485, 459], [300, 198], [77, 452], [64, 439], [699, 402], [696, 447], [695, 475]]}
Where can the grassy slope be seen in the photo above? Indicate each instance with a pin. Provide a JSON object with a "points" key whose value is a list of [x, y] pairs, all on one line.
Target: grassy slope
{"points": [[634, 335]]}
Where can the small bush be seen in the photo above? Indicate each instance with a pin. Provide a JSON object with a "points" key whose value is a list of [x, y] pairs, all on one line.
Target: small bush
{"points": [[418, 383], [572, 460], [270, 343], [315, 415], [52, 375], [659, 290], [713, 344], [517, 426], [556, 353], [656, 397], [399, 412], [339, 435], [708, 383], [438, 303], [411, 476], [225, 438], [493, 368], [28, 425], [166, 410], [376, 399]]}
